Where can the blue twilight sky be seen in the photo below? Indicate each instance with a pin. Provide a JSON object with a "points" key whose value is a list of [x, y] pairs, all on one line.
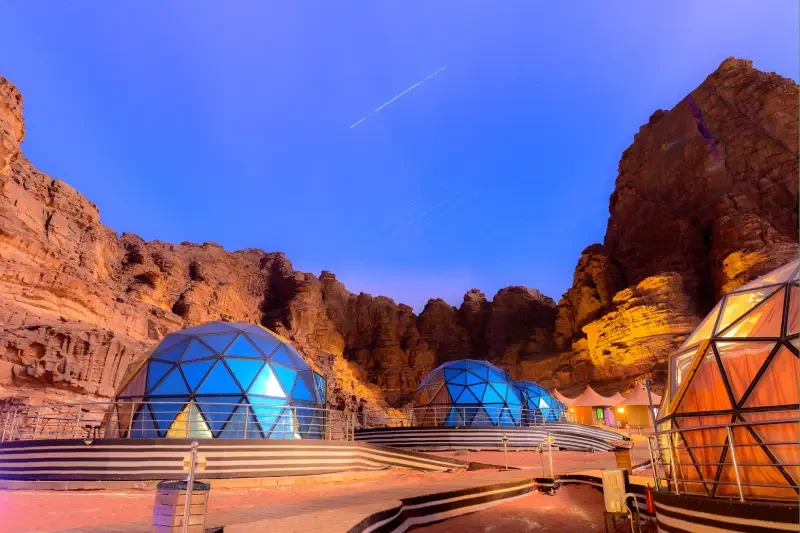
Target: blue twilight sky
{"points": [[203, 120]]}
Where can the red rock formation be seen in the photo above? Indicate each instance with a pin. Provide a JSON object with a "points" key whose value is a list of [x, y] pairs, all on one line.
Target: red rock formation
{"points": [[685, 228], [79, 304]]}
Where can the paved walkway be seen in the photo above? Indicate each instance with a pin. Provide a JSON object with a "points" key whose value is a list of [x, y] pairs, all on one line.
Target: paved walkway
{"points": [[293, 509], [302, 508]]}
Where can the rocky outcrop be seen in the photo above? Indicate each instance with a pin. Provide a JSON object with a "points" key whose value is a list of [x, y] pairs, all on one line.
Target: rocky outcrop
{"points": [[698, 210]]}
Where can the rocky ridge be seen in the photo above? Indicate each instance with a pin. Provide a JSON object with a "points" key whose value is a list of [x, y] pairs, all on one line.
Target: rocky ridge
{"points": [[79, 304]]}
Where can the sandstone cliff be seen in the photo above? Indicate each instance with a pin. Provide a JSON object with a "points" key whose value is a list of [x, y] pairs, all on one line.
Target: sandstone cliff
{"points": [[690, 219], [79, 304]]}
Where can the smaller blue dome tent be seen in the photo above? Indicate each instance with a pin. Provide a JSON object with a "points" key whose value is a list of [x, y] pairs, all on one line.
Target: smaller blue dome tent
{"points": [[540, 405], [467, 393]]}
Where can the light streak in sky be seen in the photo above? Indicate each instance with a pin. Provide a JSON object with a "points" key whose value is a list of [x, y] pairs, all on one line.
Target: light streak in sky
{"points": [[398, 96]]}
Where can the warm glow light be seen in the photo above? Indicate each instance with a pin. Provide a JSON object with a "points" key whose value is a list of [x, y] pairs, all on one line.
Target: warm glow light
{"points": [[620, 409], [571, 409]]}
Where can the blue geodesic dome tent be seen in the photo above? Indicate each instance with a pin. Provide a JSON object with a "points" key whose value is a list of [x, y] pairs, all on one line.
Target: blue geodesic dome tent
{"points": [[467, 393], [540, 405], [223, 380]]}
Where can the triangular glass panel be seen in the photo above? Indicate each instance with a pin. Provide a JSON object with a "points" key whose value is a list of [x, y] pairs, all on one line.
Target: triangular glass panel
{"points": [[421, 397], [173, 354], [739, 303], [143, 426], [467, 397], [783, 438], [706, 444], [455, 390], [194, 373], [450, 373], [218, 343], [255, 329], [497, 376], [244, 370], [779, 275], [478, 390], [433, 390], [473, 379], [742, 361], [281, 355], [492, 396], [459, 379], [481, 418], [239, 326], [264, 344], [266, 384], [156, 371], [285, 376], [796, 276], [762, 321], [285, 427], [473, 365], [136, 386], [299, 362], [242, 347], [241, 425], [501, 388], [267, 411], [311, 422], [301, 390], [189, 424], [513, 396], [321, 385], [706, 391], [169, 341], [209, 327], [216, 412], [793, 318], [165, 410], [172, 384], [542, 403], [219, 381], [506, 419], [678, 367], [704, 330], [754, 465], [197, 350], [493, 410], [455, 418], [442, 397], [778, 384]]}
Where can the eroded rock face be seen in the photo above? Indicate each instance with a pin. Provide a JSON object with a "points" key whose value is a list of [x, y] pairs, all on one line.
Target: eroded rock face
{"points": [[689, 222], [80, 304]]}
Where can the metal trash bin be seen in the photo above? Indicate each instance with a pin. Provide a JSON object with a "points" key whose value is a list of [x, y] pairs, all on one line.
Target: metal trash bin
{"points": [[169, 507]]}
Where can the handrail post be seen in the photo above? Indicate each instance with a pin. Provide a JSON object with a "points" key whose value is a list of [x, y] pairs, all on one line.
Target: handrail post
{"points": [[653, 462], [36, 420], [672, 465], [246, 418], [77, 423], [735, 464], [189, 486], [188, 419], [130, 420], [12, 435], [550, 454]]}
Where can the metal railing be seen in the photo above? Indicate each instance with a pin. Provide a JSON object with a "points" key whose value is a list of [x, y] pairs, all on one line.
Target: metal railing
{"points": [[684, 469], [457, 416], [155, 419]]}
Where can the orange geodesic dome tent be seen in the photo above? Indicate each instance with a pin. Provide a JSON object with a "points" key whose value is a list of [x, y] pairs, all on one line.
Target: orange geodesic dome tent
{"points": [[739, 369]]}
